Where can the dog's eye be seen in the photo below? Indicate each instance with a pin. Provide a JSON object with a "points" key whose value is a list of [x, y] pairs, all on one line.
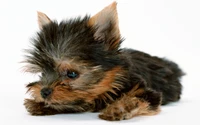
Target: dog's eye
{"points": [[72, 74]]}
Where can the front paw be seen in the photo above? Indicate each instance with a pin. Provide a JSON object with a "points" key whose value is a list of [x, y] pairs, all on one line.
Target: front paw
{"points": [[119, 111], [126, 108], [37, 108], [114, 114]]}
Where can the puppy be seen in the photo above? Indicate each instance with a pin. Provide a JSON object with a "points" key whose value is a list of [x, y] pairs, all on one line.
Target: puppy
{"points": [[82, 68]]}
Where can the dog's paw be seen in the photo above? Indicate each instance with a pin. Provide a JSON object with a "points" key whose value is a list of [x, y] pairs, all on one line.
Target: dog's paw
{"points": [[119, 111], [113, 114], [37, 108], [126, 108]]}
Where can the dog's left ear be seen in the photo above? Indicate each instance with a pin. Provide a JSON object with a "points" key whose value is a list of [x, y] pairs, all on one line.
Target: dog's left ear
{"points": [[106, 24]]}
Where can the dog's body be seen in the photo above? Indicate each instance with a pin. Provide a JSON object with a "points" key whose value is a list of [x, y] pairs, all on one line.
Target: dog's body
{"points": [[83, 69]]}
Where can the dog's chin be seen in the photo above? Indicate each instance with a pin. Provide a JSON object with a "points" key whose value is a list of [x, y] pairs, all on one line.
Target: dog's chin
{"points": [[59, 107], [49, 103], [67, 107]]}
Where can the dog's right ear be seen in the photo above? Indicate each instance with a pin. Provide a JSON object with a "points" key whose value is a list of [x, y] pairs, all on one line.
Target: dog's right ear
{"points": [[43, 19]]}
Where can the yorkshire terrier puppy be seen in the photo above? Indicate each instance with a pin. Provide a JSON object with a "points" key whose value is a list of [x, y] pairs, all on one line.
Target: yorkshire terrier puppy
{"points": [[82, 68]]}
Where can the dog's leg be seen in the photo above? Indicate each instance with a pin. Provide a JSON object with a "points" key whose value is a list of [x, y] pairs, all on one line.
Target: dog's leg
{"points": [[38, 108], [139, 101]]}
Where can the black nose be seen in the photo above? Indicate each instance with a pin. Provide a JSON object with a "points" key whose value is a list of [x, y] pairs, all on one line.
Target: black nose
{"points": [[45, 92]]}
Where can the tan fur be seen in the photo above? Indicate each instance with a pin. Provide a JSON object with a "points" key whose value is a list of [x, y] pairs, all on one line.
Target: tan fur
{"points": [[43, 19], [128, 106], [96, 91], [101, 20], [35, 92], [107, 84], [64, 93]]}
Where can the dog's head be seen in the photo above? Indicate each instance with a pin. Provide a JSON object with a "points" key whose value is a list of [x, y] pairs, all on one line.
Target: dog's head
{"points": [[77, 59]]}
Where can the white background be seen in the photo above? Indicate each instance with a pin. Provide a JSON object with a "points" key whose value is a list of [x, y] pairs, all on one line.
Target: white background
{"points": [[166, 28]]}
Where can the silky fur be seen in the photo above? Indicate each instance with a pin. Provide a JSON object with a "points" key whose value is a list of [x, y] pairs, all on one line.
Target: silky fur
{"points": [[118, 82]]}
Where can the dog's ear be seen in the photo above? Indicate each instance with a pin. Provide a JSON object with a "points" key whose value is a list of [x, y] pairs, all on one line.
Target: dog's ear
{"points": [[43, 19], [106, 24]]}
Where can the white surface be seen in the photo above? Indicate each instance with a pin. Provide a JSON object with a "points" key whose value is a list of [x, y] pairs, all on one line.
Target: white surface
{"points": [[166, 28]]}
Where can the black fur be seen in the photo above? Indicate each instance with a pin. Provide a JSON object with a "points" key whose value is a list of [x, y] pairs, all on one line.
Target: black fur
{"points": [[156, 73], [71, 38]]}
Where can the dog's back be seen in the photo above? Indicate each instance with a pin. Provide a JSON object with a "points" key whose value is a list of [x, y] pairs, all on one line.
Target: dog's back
{"points": [[160, 74]]}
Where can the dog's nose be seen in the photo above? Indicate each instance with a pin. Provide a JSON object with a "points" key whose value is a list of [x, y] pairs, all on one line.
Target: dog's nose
{"points": [[45, 92]]}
